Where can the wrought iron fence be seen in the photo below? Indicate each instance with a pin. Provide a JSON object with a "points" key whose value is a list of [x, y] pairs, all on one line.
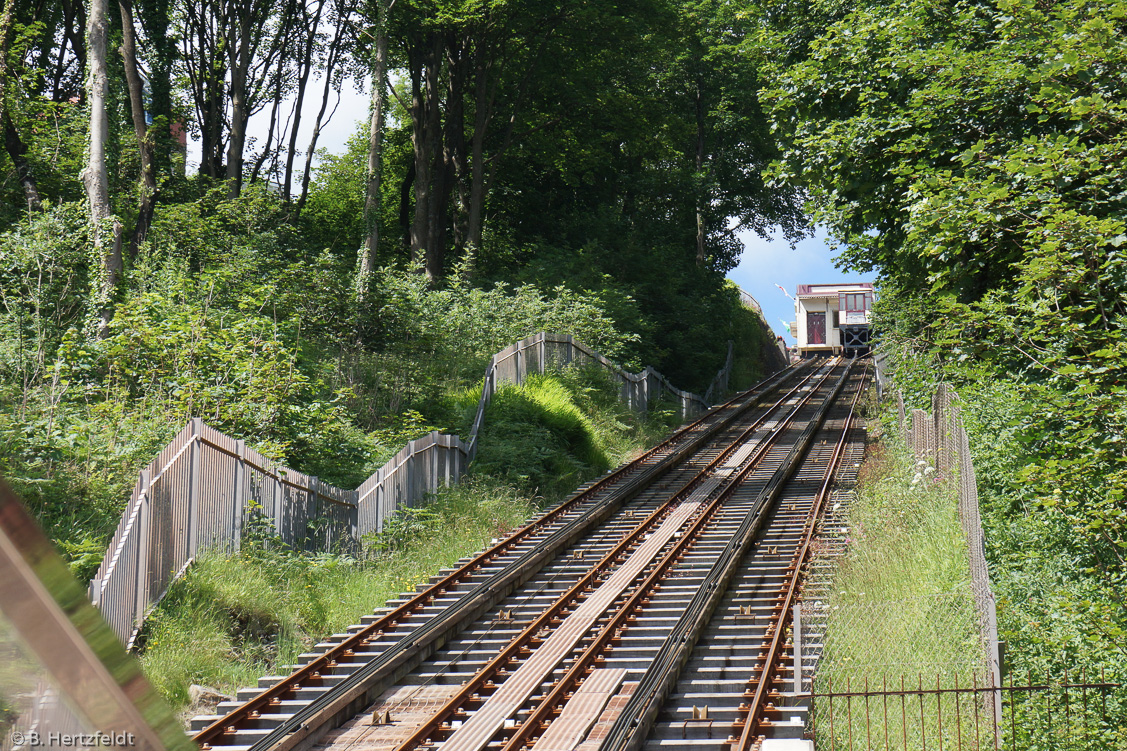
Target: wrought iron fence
{"points": [[1078, 712]]}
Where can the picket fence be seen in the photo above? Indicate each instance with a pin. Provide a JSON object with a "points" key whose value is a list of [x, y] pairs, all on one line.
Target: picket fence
{"points": [[204, 487]]}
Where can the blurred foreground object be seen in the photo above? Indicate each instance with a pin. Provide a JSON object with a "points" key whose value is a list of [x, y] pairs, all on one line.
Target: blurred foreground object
{"points": [[65, 679]]}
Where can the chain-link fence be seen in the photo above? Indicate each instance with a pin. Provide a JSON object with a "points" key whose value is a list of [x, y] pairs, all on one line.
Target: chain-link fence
{"points": [[863, 638], [859, 654]]}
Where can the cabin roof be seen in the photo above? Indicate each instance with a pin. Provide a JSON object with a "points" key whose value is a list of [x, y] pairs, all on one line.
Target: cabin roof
{"points": [[832, 290]]}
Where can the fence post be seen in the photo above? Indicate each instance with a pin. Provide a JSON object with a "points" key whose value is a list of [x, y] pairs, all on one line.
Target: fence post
{"points": [[901, 420], [995, 658], [141, 583], [379, 497], [432, 486], [237, 492], [194, 461], [409, 475], [938, 409]]}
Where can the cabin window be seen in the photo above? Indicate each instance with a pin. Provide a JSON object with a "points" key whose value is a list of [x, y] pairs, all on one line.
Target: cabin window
{"points": [[836, 314], [856, 302]]}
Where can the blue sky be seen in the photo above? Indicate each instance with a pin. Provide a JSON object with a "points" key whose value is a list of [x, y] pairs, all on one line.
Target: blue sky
{"points": [[765, 263]]}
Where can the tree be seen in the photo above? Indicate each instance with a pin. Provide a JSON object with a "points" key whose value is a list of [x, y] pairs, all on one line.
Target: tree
{"points": [[973, 154], [105, 227], [373, 185], [148, 183]]}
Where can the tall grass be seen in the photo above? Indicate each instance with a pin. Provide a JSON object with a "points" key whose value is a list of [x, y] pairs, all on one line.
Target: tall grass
{"points": [[901, 607]]}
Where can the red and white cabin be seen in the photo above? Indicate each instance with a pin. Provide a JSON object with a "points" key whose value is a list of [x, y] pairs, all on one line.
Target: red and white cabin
{"points": [[832, 319]]}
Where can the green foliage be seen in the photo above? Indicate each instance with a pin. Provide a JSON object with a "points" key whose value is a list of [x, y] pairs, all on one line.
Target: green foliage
{"points": [[973, 153], [554, 431], [225, 317], [42, 281], [945, 145]]}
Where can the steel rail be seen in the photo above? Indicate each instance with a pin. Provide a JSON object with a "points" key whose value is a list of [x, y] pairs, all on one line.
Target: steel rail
{"points": [[359, 688], [431, 727], [774, 651], [310, 674], [628, 731], [528, 731]]}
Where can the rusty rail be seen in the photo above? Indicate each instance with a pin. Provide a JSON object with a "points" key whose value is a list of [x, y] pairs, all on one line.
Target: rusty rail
{"points": [[774, 652], [431, 728], [629, 729], [635, 476]]}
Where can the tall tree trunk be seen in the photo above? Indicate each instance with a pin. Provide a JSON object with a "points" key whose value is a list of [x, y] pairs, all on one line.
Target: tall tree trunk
{"points": [[483, 113], [205, 61], [148, 187], [154, 17], [106, 227], [302, 84], [454, 140], [420, 139], [375, 157], [336, 49], [432, 213], [702, 256], [60, 64], [405, 191], [269, 149], [240, 65], [17, 149]]}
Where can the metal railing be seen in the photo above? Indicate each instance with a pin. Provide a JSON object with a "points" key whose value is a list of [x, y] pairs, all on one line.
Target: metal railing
{"points": [[203, 488], [913, 713], [961, 624]]}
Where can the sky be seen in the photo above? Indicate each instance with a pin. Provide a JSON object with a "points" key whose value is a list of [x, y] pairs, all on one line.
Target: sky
{"points": [[335, 132], [765, 263]]}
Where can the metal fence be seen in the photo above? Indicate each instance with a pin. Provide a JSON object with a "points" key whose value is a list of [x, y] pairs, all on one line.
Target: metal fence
{"points": [[1077, 712], [750, 302], [203, 488], [545, 351], [940, 439], [960, 627]]}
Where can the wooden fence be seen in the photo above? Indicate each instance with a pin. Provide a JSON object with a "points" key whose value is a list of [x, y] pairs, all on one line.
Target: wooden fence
{"points": [[203, 488]]}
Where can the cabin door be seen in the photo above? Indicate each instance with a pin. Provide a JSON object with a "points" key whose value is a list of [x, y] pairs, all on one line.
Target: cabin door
{"points": [[815, 328]]}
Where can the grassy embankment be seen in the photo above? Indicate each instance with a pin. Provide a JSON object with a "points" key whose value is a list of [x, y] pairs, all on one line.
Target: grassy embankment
{"points": [[901, 604], [234, 618]]}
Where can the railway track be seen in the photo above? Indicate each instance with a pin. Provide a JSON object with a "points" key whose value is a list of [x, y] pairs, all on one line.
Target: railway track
{"points": [[646, 610]]}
